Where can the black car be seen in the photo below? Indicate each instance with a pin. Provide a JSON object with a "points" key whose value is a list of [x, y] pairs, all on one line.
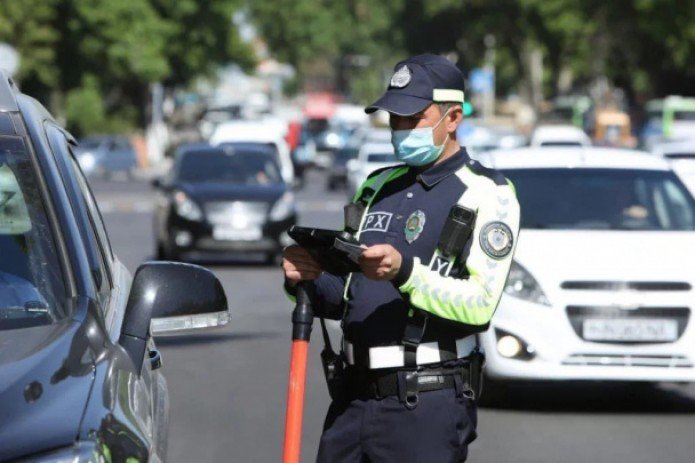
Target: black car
{"points": [[220, 201], [79, 370], [337, 171]]}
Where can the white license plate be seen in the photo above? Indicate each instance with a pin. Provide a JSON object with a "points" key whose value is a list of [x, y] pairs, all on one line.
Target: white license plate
{"points": [[630, 330], [221, 233]]}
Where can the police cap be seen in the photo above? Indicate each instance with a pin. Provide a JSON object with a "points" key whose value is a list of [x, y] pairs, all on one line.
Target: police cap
{"points": [[419, 81]]}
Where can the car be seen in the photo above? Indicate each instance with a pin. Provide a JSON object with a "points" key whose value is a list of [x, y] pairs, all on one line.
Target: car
{"points": [[681, 154], [370, 157], [603, 279], [337, 171], [80, 374], [257, 132], [105, 155], [559, 135], [218, 202]]}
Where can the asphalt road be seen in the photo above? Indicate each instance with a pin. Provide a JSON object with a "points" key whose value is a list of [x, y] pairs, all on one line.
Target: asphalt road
{"points": [[228, 387]]}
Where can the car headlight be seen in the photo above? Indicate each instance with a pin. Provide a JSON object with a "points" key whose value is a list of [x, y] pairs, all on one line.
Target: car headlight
{"points": [[87, 161], [283, 208], [82, 452], [187, 208], [521, 284]]}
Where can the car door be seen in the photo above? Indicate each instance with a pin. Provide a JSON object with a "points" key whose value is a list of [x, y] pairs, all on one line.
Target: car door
{"points": [[137, 398]]}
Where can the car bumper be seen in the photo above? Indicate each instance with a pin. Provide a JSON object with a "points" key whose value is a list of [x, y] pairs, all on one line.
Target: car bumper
{"points": [[203, 244], [557, 352]]}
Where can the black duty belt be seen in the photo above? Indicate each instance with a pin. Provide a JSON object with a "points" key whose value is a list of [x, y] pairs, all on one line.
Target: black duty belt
{"points": [[371, 384]]}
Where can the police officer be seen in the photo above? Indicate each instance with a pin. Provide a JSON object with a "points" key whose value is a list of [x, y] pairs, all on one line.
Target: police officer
{"points": [[411, 316]]}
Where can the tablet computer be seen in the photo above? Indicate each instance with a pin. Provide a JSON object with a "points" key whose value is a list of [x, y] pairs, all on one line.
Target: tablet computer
{"points": [[337, 252]]}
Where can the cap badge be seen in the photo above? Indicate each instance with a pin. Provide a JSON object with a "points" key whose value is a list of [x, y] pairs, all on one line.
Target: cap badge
{"points": [[414, 226], [401, 78], [496, 239]]}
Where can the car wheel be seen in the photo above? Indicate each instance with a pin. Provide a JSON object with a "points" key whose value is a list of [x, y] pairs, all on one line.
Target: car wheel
{"points": [[272, 258], [160, 253], [495, 393]]}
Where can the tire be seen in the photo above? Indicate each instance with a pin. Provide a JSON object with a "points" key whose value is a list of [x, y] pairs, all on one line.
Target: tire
{"points": [[272, 258], [495, 393], [160, 253]]}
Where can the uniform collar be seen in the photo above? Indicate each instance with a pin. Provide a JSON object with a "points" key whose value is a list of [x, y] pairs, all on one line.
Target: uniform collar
{"points": [[439, 172]]}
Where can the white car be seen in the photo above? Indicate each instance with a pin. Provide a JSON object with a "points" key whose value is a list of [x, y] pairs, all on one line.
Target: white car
{"points": [[371, 156], [247, 131], [682, 157], [559, 135], [602, 283]]}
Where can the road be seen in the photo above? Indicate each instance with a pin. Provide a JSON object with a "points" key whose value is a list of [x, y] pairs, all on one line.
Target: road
{"points": [[228, 387]]}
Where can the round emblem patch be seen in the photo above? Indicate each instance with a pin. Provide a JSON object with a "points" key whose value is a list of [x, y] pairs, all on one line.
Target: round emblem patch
{"points": [[414, 226], [401, 78], [496, 240]]}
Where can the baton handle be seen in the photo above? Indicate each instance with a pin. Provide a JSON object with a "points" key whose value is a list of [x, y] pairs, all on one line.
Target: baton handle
{"points": [[302, 319]]}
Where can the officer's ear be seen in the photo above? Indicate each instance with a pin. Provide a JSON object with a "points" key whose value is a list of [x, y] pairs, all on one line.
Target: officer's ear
{"points": [[454, 118]]}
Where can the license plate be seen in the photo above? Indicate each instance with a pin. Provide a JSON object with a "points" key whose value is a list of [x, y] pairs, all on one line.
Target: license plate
{"points": [[630, 330], [236, 234]]}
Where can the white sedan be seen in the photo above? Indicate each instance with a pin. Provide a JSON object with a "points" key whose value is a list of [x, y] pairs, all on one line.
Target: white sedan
{"points": [[601, 287], [371, 156], [559, 135]]}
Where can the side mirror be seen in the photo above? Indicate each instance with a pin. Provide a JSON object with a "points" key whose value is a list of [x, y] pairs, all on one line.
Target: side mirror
{"points": [[168, 297]]}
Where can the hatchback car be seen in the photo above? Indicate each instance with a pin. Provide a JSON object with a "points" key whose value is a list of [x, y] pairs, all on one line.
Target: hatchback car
{"points": [[602, 286], [80, 377], [220, 201]]}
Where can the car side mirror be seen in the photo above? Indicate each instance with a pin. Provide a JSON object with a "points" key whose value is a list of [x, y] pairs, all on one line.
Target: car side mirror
{"points": [[169, 297]]}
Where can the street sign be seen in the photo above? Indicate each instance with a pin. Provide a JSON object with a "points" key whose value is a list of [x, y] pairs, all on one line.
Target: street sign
{"points": [[481, 80], [9, 59]]}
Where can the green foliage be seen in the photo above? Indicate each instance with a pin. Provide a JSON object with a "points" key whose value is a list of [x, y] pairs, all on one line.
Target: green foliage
{"points": [[101, 56]]}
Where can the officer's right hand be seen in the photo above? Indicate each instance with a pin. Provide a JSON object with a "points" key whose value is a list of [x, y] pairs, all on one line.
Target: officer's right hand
{"points": [[298, 265]]}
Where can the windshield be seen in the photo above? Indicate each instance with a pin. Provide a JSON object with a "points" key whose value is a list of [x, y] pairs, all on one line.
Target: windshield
{"points": [[235, 167], [31, 284], [602, 199], [381, 157], [688, 116]]}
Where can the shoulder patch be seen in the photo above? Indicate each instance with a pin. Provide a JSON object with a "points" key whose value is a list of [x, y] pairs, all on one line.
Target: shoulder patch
{"points": [[494, 175], [496, 239]]}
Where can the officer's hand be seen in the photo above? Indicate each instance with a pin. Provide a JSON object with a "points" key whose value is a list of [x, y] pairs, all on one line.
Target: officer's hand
{"points": [[380, 262], [298, 265]]}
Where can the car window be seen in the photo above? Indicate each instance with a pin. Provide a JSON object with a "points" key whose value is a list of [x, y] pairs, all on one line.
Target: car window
{"points": [[32, 289], [94, 211], [236, 167], [381, 157], [684, 116], [603, 199]]}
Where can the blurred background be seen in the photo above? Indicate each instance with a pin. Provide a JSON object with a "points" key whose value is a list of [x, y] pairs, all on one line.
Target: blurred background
{"points": [[209, 127]]}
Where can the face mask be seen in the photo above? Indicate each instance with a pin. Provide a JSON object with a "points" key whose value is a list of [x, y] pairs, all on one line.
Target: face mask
{"points": [[416, 147]]}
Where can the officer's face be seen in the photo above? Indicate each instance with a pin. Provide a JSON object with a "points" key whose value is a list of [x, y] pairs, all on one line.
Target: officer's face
{"points": [[428, 117]]}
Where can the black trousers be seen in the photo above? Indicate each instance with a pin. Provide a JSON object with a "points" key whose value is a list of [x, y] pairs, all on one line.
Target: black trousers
{"points": [[438, 430]]}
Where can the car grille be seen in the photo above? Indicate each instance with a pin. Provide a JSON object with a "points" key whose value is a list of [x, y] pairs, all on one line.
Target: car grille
{"points": [[627, 285], [237, 213], [613, 360], [577, 314]]}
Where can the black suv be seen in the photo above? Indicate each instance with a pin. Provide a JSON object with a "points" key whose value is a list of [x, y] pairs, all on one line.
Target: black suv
{"points": [[79, 370]]}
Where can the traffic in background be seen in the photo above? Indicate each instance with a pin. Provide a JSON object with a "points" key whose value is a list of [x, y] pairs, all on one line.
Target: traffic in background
{"points": [[208, 150]]}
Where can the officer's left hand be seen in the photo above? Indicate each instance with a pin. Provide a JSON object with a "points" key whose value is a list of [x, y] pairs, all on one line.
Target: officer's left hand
{"points": [[380, 262]]}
